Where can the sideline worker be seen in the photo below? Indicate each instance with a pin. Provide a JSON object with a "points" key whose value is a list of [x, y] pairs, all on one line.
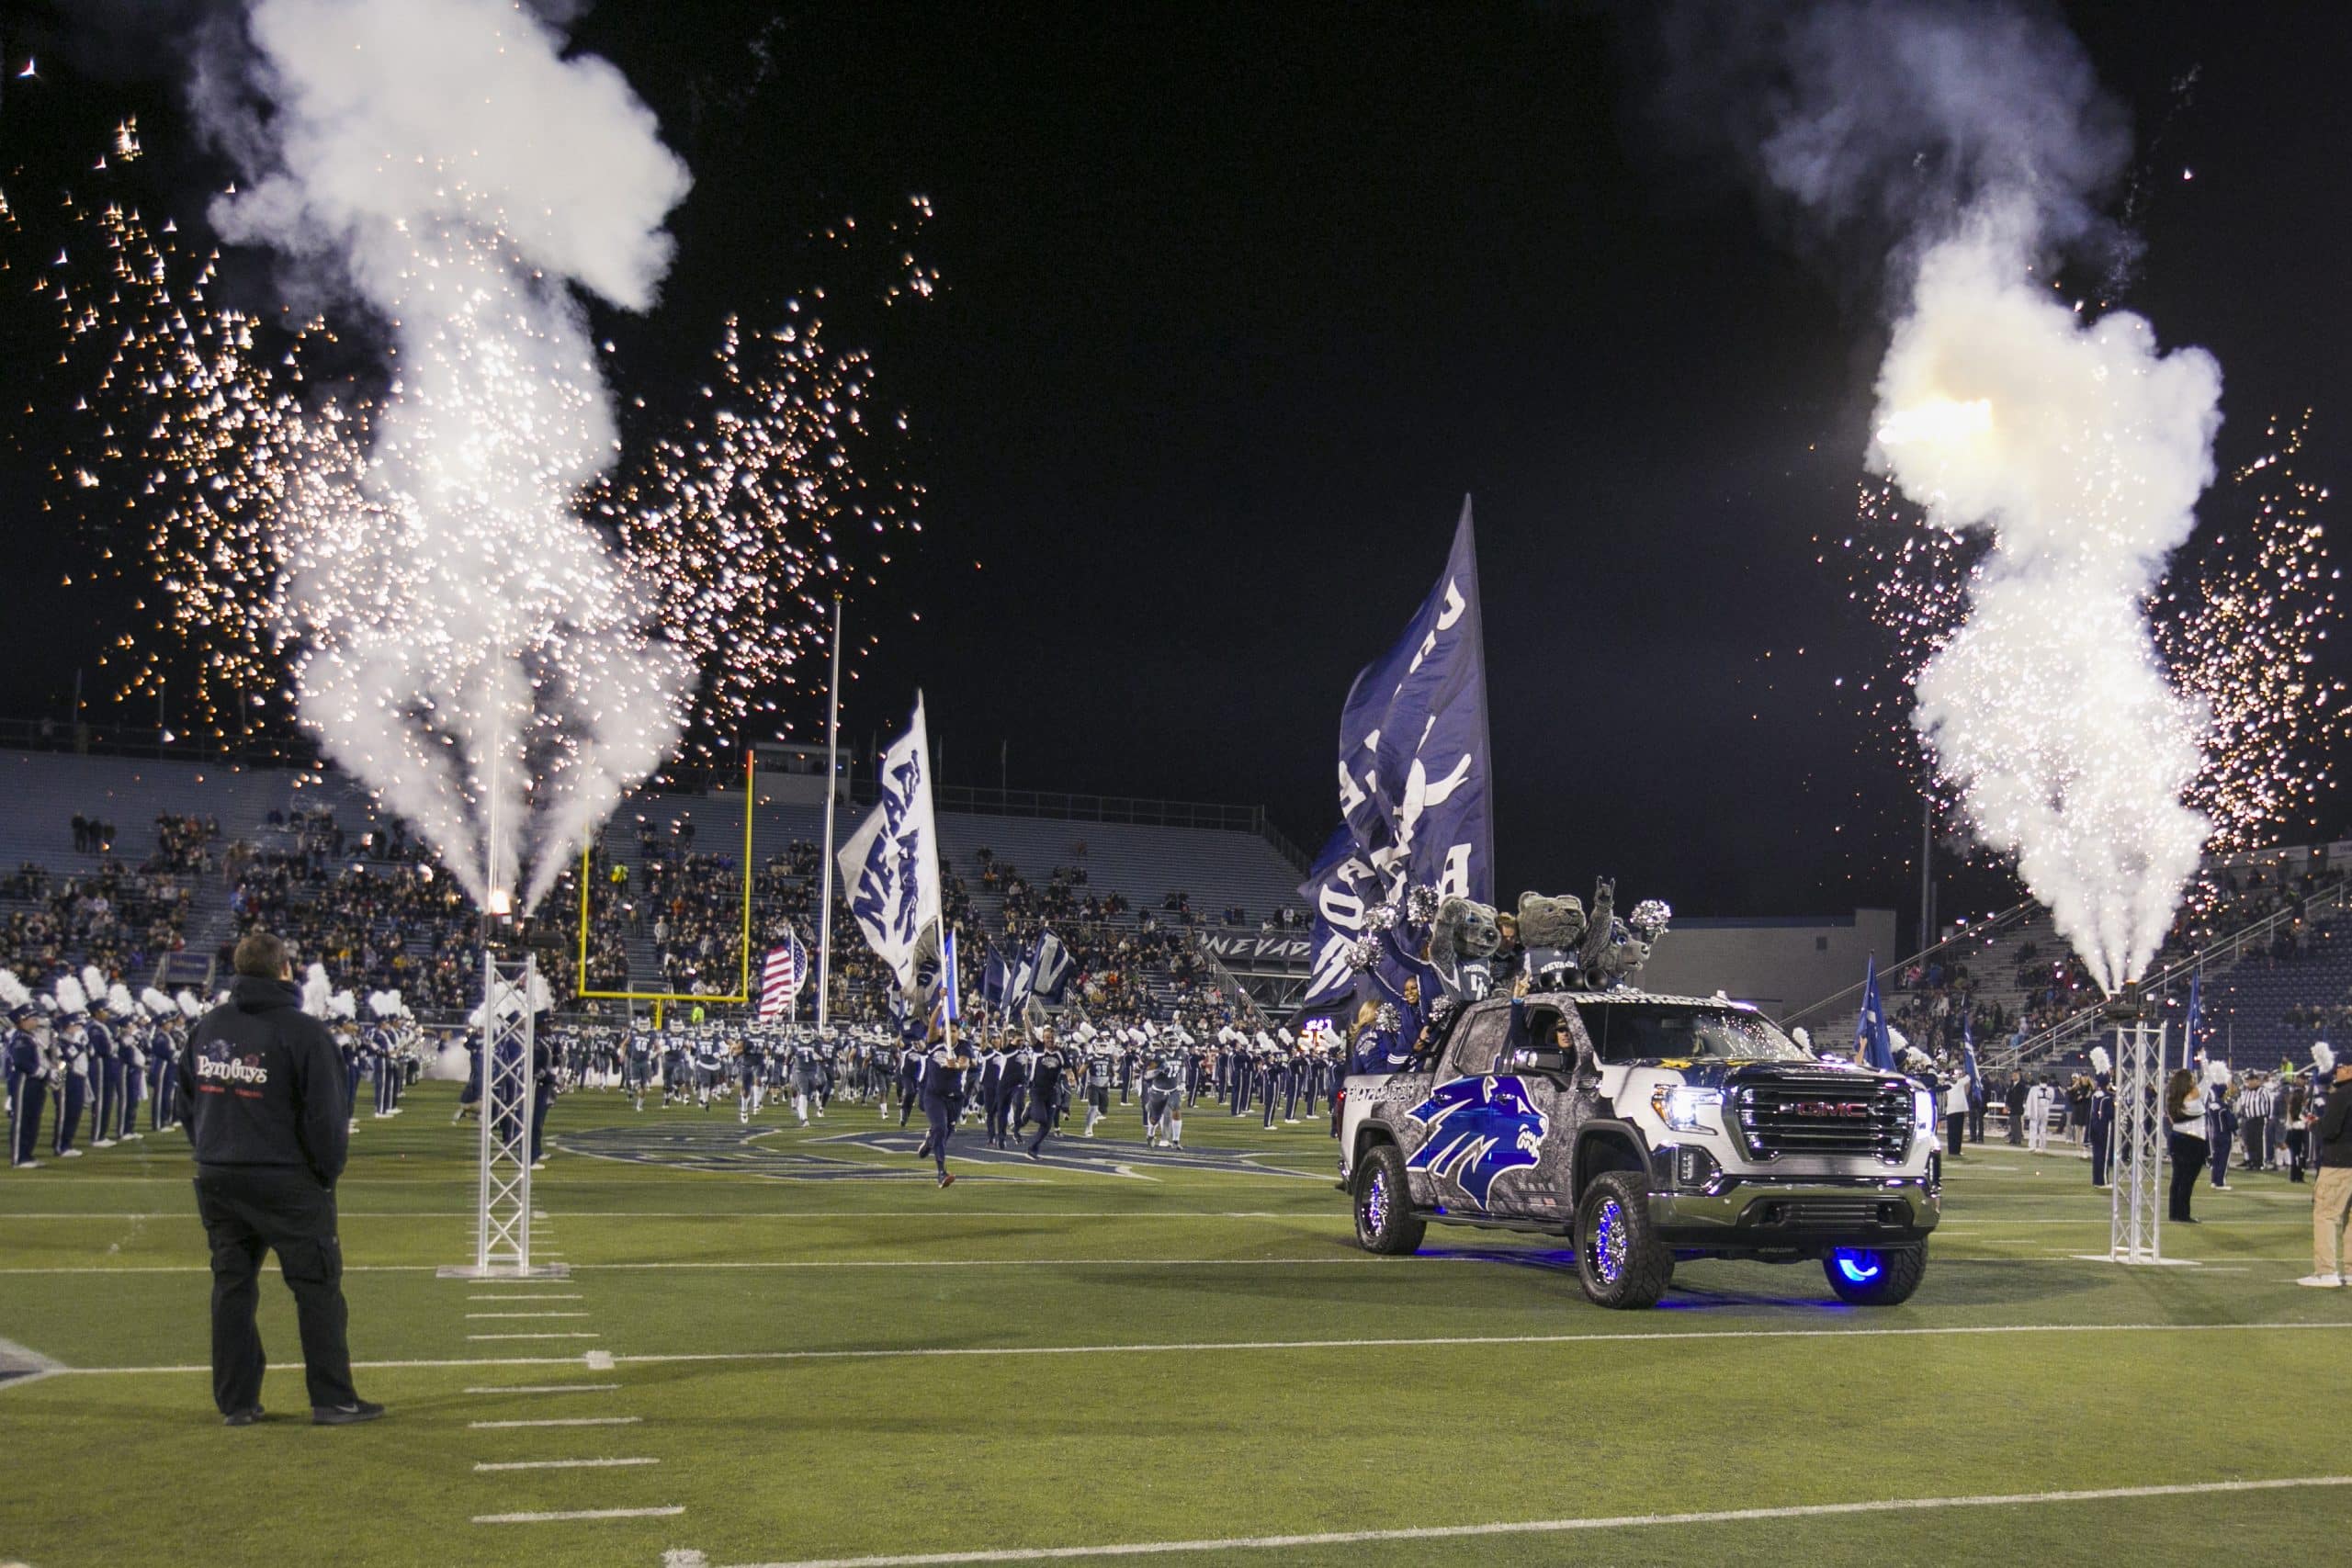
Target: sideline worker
{"points": [[2332, 1199], [268, 1113]]}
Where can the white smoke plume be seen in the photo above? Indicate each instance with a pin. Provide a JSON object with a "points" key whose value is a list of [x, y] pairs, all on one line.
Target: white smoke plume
{"points": [[461, 640], [1975, 137]]}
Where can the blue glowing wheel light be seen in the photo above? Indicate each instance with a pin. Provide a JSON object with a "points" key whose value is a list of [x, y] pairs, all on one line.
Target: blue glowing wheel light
{"points": [[1857, 1266], [1376, 1203], [1608, 1246]]}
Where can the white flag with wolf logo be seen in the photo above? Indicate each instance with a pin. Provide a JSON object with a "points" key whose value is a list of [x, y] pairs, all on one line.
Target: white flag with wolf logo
{"points": [[890, 865]]}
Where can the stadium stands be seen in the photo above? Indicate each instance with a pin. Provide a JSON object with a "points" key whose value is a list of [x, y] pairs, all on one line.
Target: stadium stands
{"points": [[308, 850]]}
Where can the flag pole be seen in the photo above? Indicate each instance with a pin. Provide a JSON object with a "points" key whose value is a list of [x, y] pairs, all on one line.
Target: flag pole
{"points": [[833, 787], [947, 977]]}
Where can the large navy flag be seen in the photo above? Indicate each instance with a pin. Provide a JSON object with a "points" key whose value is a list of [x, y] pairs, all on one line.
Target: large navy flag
{"points": [[1413, 744], [1872, 1047], [1049, 967], [1412, 775], [890, 865], [994, 977], [1335, 892]]}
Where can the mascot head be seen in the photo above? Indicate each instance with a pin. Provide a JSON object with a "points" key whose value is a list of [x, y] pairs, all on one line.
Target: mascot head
{"points": [[1464, 929], [1546, 922]]}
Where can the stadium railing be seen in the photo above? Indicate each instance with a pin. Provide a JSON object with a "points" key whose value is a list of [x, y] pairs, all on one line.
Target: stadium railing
{"points": [[1954, 946], [2214, 957]]}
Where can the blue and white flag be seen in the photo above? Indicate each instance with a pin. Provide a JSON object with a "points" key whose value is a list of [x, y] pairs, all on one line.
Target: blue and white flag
{"points": [[951, 976], [1968, 1050], [1335, 895], [1412, 772], [1044, 972], [890, 865], [1872, 1047]]}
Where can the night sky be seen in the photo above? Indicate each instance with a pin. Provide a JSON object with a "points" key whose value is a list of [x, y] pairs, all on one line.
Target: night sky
{"points": [[1240, 299]]}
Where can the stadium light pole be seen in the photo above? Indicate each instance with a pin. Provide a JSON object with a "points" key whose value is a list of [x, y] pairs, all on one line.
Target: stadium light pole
{"points": [[825, 855]]}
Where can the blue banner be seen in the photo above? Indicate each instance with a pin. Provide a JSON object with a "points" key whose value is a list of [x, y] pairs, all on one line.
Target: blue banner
{"points": [[1412, 772], [1872, 1047]]}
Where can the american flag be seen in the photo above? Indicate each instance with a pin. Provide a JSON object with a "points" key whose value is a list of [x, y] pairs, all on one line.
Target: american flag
{"points": [[780, 977]]}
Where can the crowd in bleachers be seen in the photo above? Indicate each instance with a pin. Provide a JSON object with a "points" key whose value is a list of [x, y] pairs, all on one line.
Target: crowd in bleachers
{"points": [[117, 917]]}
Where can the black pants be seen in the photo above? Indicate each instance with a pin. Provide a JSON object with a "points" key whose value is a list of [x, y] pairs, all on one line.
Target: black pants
{"points": [[1954, 1123], [2294, 1154], [24, 1134], [250, 1210], [1042, 1113], [941, 1116], [2188, 1160]]}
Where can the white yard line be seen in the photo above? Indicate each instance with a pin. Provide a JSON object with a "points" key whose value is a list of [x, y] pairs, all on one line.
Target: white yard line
{"points": [[669, 1512], [553, 1388], [565, 1464], [602, 1360], [471, 1315], [532, 1298], [1547, 1527], [562, 1421], [572, 1334]]}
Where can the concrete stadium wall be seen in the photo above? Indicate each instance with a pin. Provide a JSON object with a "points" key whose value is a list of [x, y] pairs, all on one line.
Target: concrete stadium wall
{"points": [[1780, 963]]}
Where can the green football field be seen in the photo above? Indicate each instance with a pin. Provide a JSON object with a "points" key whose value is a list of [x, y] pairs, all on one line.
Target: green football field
{"points": [[797, 1349]]}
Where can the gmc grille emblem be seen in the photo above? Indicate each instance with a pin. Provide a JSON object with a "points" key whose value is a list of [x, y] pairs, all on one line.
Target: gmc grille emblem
{"points": [[1829, 1108]]}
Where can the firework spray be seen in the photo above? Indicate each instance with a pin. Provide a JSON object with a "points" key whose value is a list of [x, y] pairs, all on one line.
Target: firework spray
{"points": [[459, 640], [1969, 143]]}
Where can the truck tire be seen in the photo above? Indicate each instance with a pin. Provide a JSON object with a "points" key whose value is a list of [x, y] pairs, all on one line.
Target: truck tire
{"points": [[1619, 1257], [1385, 1219], [1876, 1276]]}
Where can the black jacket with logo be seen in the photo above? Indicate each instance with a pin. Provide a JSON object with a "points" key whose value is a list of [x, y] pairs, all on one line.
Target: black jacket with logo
{"points": [[264, 1084]]}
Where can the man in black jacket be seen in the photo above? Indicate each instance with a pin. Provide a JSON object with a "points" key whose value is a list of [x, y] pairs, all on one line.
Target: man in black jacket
{"points": [[268, 1114]]}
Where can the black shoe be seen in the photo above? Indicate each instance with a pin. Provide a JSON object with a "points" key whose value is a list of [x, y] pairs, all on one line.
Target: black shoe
{"points": [[2186, 1219], [344, 1415], [242, 1418]]}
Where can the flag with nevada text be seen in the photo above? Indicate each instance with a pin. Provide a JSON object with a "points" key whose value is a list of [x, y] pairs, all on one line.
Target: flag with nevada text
{"points": [[1412, 772], [890, 865]]}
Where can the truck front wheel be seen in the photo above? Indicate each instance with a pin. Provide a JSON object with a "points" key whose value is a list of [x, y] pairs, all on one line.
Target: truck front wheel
{"points": [[1385, 1219], [1876, 1276], [1619, 1256]]}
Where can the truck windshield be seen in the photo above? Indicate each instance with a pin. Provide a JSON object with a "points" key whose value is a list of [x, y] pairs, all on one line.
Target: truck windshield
{"points": [[1633, 1032]]}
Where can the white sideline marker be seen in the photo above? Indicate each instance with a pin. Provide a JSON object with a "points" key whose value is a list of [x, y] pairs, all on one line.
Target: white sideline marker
{"points": [[560, 1421], [1545, 1527], [670, 1512], [574, 1334], [471, 1315], [565, 1464]]}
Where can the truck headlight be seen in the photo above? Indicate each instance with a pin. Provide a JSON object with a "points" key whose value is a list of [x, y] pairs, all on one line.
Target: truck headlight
{"points": [[1680, 1108], [1922, 1108]]}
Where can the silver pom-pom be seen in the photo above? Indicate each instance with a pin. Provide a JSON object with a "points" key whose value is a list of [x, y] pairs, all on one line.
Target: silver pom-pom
{"points": [[1382, 916], [1421, 906], [1363, 954], [1649, 917], [1388, 1021]]}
